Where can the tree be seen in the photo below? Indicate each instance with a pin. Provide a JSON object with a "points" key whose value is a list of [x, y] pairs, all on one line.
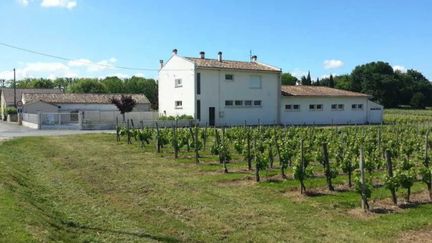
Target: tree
{"points": [[124, 104], [343, 81], [148, 87], [113, 85], [87, 86], [418, 100], [288, 79], [308, 79], [331, 81]]}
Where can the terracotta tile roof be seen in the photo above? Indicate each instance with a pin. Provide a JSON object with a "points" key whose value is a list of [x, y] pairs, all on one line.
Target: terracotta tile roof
{"points": [[234, 65], [71, 98], [303, 90], [8, 93]]}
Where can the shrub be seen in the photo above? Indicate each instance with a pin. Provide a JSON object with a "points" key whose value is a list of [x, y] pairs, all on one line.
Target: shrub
{"points": [[11, 111]]}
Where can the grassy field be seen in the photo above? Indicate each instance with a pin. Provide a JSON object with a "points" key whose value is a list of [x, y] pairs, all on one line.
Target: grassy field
{"points": [[88, 188]]}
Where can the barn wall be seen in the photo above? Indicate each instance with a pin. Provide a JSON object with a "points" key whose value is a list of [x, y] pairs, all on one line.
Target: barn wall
{"points": [[327, 115]]}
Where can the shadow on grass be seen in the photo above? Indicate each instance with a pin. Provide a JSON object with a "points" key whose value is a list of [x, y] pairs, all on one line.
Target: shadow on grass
{"points": [[382, 210], [71, 224], [412, 204]]}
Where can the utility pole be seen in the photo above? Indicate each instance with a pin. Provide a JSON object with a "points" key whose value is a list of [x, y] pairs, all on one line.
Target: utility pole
{"points": [[14, 88]]}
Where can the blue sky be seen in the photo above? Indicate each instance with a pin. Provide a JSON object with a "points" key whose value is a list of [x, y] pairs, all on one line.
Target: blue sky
{"points": [[323, 36]]}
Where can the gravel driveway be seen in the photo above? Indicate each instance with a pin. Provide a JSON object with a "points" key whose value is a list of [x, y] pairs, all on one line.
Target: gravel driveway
{"points": [[10, 130]]}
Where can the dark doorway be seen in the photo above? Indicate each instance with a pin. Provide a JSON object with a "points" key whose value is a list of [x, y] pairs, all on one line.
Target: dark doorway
{"points": [[212, 116]]}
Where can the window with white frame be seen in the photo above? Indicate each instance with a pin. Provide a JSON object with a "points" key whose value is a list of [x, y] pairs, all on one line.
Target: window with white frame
{"points": [[257, 103], [178, 104], [337, 107], [357, 107], [178, 82], [229, 103], [316, 107], [229, 77], [238, 103], [255, 82], [290, 107], [248, 102]]}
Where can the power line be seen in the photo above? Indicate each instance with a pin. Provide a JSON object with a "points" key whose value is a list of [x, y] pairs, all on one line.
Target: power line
{"points": [[83, 62]]}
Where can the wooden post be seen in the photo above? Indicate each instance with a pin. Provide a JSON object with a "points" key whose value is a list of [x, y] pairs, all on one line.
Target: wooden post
{"points": [[257, 169], [427, 164], [224, 152], [128, 133], [390, 174], [175, 142], [249, 157], [302, 167], [157, 138], [277, 147], [117, 130], [205, 138], [364, 203], [327, 169], [196, 144]]}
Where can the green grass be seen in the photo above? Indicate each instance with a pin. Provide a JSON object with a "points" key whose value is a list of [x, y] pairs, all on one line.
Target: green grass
{"points": [[88, 188]]}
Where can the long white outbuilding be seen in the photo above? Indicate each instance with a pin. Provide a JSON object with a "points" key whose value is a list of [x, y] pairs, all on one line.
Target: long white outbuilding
{"points": [[223, 92]]}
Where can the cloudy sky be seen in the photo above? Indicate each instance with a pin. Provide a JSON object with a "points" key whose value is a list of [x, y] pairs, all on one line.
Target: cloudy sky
{"points": [[96, 38]]}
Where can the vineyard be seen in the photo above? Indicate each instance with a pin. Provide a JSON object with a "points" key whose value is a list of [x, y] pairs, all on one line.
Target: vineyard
{"points": [[398, 116], [359, 158]]}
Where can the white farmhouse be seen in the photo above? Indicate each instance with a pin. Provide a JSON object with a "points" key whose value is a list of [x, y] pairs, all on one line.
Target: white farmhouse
{"points": [[220, 92]]}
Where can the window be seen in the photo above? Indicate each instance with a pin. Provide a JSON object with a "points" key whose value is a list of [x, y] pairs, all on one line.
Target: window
{"points": [[375, 109], [290, 107], [178, 82], [255, 82], [248, 102], [357, 106], [198, 110], [198, 84], [178, 104], [337, 107], [316, 107], [257, 102], [238, 102], [228, 103], [229, 77]]}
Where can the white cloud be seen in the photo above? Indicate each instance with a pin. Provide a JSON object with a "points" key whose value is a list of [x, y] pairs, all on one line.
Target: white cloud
{"points": [[73, 68], [399, 68], [333, 64], [23, 3], [69, 4], [93, 66]]}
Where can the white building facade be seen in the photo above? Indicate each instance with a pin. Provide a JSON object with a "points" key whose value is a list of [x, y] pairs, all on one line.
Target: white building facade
{"points": [[218, 92], [310, 105]]}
